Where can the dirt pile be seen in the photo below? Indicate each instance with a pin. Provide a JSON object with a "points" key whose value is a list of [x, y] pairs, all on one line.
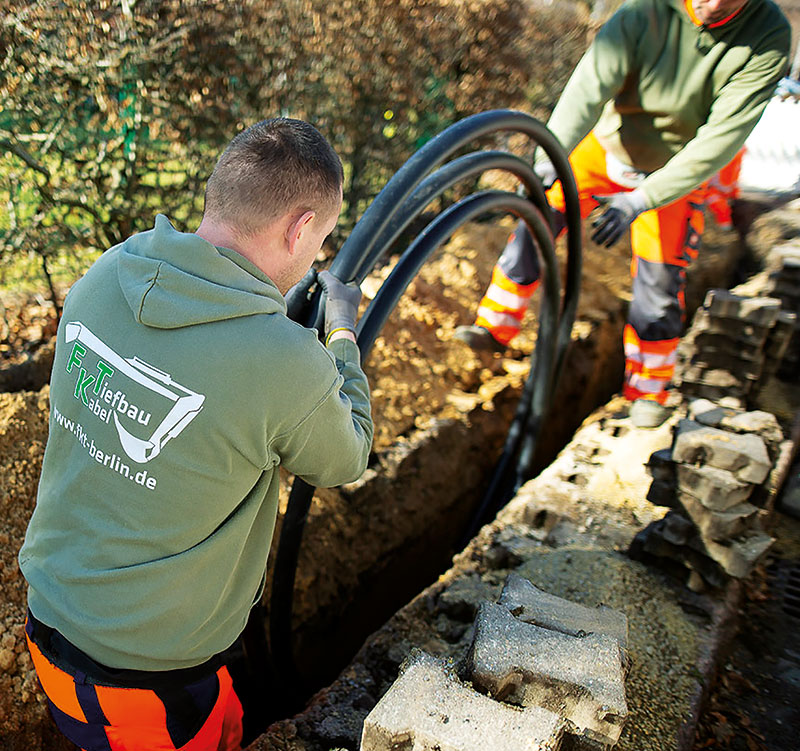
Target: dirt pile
{"points": [[23, 434]]}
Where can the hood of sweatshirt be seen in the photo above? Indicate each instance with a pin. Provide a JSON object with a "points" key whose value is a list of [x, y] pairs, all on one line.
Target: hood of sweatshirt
{"points": [[173, 279]]}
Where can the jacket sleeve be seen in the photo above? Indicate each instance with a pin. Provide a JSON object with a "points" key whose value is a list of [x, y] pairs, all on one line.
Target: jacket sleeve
{"points": [[599, 76], [734, 114], [331, 444]]}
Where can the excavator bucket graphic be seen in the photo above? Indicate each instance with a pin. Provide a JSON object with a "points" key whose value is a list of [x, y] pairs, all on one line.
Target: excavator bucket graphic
{"points": [[187, 403]]}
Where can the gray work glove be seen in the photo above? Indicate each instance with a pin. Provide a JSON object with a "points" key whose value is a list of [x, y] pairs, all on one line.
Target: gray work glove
{"points": [[341, 307], [546, 172], [620, 210]]}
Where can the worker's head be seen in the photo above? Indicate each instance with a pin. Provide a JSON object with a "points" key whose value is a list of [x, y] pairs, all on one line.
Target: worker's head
{"points": [[709, 12], [274, 196]]}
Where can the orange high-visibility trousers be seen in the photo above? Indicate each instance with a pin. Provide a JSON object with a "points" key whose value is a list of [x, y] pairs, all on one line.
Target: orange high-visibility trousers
{"points": [[664, 242], [506, 300], [204, 715], [722, 189]]}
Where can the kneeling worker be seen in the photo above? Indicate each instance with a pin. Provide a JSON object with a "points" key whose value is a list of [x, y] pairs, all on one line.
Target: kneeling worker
{"points": [[179, 389]]}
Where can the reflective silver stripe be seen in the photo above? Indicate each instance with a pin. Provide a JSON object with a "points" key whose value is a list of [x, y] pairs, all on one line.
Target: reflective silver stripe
{"points": [[507, 299], [496, 318], [650, 360], [647, 385]]}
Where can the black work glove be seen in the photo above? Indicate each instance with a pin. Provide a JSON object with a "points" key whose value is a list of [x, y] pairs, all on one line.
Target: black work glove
{"points": [[341, 307], [620, 210]]}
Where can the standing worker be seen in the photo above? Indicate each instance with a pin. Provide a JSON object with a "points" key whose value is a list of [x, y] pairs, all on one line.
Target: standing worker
{"points": [[663, 99], [178, 390]]}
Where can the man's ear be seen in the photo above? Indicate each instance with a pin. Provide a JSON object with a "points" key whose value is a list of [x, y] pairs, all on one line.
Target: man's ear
{"points": [[296, 228]]}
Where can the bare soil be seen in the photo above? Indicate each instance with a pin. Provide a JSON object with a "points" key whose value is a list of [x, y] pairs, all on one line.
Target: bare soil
{"points": [[418, 373]]}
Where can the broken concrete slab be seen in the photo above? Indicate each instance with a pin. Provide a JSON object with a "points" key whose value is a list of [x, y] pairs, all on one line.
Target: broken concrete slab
{"points": [[530, 604], [716, 489], [581, 678], [708, 413], [763, 424], [780, 335], [429, 709], [461, 601], [745, 455], [717, 525], [677, 529]]}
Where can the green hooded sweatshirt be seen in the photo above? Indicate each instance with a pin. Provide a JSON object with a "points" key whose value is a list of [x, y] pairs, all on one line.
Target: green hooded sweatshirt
{"points": [[672, 98], [179, 388]]}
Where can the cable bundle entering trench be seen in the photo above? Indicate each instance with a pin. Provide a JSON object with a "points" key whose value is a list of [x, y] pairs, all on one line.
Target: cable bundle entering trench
{"points": [[422, 179]]}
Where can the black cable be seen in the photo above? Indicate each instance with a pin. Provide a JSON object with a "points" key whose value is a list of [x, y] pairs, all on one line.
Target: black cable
{"points": [[402, 199]]}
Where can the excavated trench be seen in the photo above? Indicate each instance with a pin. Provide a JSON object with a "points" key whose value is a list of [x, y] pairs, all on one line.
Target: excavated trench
{"points": [[441, 414]]}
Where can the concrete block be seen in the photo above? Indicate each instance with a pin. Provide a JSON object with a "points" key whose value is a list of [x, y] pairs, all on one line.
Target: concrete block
{"points": [[705, 361], [741, 331], [460, 600], [764, 424], [530, 604], [721, 303], [429, 709], [780, 336], [716, 489], [744, 455], [581, 678], [737, 557], [699, 341], [717, 525]]}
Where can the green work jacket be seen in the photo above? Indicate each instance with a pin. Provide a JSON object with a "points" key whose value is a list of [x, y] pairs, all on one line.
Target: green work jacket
{"points": [[671, 98], [179, 390]]}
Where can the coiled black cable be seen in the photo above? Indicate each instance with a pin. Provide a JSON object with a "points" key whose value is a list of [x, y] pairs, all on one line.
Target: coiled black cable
{"points": [[400, 202]]}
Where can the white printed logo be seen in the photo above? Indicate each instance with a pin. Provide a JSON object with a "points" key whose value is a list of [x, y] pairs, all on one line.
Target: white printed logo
{"points": [[93, 389]]}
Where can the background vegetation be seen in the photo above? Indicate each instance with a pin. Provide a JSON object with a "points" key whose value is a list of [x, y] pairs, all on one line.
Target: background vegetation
{"points": [[113, 110]]}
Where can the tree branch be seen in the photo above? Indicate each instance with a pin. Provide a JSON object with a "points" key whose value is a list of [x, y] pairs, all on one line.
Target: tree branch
{"points": [[25, 156]]}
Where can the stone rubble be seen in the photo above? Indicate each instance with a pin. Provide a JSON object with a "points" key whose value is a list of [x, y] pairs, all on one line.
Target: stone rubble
{"points": [[717, 478], [538, 666], [734, 344], [780, 281], [784, 284], [725, 467]]}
